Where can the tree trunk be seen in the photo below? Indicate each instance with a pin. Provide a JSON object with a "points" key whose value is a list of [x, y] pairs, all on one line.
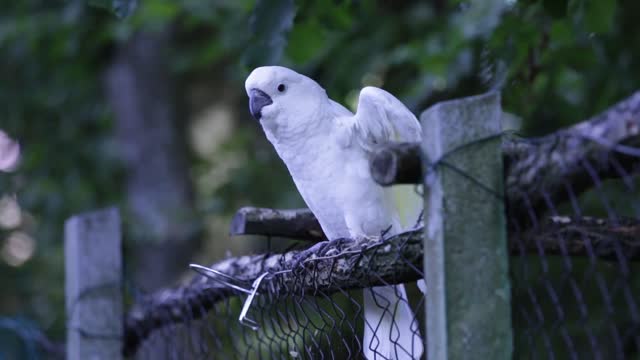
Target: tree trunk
{"points": [[159, 199]]}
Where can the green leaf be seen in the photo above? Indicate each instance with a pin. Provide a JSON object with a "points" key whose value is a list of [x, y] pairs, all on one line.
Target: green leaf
{"points": [[306, 41], [270, 23], [562, 33], [555, 8], [161, 10], [479, 18], [599, 15], [120, 8], [105, 4]]}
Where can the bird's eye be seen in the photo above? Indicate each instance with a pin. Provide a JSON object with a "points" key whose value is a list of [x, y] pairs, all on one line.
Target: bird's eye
{"points": [[282, 88]]}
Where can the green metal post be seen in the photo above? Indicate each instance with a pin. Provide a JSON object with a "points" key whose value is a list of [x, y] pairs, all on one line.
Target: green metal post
{"points": [[466, 259]]}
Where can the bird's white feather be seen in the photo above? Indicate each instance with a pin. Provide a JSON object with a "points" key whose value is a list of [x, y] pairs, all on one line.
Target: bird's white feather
{"points": [[391, 331], [326, 149], [381, 118]]}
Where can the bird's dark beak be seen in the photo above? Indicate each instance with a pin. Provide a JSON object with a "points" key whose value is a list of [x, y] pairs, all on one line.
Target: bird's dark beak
{"points": [[257, 100]]}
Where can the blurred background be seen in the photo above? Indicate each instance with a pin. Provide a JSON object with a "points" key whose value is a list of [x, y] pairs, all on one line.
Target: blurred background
{"points": [[141, 104]]}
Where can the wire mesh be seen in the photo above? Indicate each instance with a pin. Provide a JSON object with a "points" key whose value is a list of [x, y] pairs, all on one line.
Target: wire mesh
{"points": [[585, 305], [295, 318]]}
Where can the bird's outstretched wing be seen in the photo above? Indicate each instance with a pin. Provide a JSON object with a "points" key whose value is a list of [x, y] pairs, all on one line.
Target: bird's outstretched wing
{"points": [[380, 118], [391, 330]]}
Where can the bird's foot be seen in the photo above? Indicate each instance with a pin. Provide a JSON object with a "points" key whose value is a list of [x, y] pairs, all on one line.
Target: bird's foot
{"points": [[319, 250], [363, 240], [326, 249]]}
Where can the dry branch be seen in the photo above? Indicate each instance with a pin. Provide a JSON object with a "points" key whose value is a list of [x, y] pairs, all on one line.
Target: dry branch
{"points": [[397, 163], [583, 236], [604, 147], [299, 224], [345, 264], [537, 168]]}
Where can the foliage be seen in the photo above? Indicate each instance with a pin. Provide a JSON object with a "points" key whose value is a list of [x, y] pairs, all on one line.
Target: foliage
{"points": [[556, 62], [121, 8]]}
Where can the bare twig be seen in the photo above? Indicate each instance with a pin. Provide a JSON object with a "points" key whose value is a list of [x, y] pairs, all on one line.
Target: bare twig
{"points": [[582, 236], [397, 163], [543, 167], [298, 224]]}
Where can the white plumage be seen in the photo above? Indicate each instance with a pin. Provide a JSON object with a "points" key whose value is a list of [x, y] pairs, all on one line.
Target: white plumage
{"points": [[326, 149]]}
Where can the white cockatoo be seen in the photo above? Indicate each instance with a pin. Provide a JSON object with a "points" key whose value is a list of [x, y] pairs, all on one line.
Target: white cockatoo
{"points": [[326, 149]]}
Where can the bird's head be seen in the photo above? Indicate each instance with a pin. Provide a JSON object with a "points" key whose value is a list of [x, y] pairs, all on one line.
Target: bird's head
{"points": [[281, 97]]}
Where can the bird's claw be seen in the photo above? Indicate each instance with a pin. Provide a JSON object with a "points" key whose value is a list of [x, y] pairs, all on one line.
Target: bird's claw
{"points": [[321, 249], [365, 239], [303, 255], [335, 247]]}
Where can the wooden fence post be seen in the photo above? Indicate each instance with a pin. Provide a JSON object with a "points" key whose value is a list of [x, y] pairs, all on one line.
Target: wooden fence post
{"points": [[93, 266], [466, 259]]}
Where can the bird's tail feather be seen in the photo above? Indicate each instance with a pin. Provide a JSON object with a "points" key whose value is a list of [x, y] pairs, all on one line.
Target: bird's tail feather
{"points": [[391, 329]]}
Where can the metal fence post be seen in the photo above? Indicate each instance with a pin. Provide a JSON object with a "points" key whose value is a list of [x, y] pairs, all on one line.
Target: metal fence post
{"points": [[93, 267], [466, 259]]}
